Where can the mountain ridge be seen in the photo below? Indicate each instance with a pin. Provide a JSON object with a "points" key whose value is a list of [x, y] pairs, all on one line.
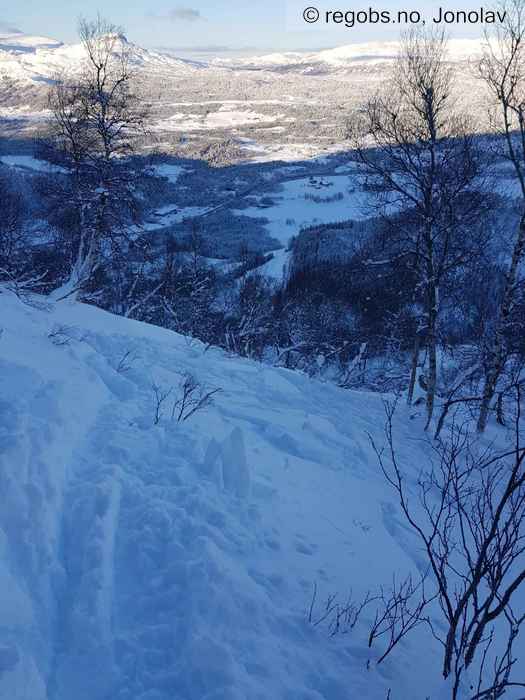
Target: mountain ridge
{"points": [[33, 58]]}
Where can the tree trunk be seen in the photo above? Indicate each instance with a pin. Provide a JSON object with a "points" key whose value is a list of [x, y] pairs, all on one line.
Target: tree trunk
{"points": [[413, 370], [432, 314], [432, 366], [84, 263]]}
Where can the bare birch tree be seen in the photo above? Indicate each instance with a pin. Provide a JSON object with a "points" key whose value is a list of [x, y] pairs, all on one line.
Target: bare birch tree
{"points": [[468, 511], [422, 159], [96, 118]]}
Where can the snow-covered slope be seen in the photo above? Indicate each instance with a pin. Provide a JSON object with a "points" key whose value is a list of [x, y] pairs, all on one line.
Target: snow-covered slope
{"points": [[35, 59], [144, 560]]}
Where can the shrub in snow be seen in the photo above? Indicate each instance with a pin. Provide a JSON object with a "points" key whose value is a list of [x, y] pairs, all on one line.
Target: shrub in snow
{"points": [[193, 397]]}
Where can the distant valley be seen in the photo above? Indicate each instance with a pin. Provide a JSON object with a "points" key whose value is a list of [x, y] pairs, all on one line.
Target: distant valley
{"points": [[284, 106]]}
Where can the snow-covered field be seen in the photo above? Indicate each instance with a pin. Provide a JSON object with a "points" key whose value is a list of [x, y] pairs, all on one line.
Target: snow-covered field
{"points": [[312, 200], [224, 117], [29, 163], [176, 561], [287, 152], [168, 170]]}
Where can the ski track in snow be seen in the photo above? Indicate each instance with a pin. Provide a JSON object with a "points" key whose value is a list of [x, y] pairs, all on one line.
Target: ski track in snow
{"points": [[176, 561]]}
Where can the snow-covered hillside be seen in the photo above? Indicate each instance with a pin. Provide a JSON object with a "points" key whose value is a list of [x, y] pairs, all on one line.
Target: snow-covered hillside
{"points": [[31, 60], [146, 559], [23, 43]]}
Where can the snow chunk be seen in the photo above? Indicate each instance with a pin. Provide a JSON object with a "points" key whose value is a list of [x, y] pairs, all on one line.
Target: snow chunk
{"points": [[236, 474]]}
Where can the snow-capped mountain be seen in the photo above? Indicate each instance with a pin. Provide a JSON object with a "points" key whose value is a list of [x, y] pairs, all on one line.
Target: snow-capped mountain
{"points": [[33, 60], [343, 57]]}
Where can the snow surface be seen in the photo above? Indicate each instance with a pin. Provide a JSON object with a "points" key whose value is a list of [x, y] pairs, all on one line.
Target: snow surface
{"points": [[276, 268], [177, 561]]}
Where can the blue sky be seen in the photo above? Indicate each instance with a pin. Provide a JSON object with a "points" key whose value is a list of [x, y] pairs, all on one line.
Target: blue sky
{"points": [[270, 24]]}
